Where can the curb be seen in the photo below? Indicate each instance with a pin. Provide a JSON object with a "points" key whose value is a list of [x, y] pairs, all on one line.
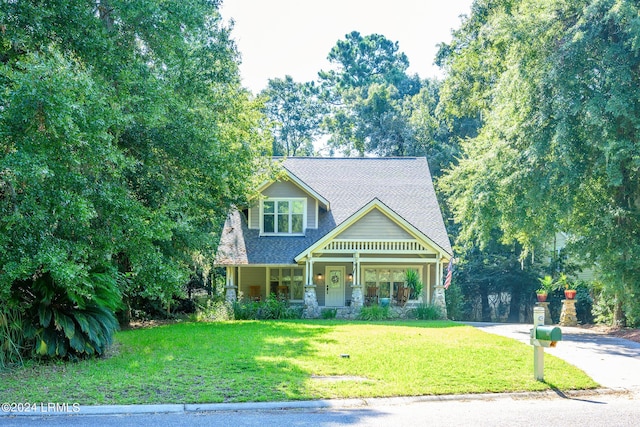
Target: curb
{"points": [[79, 410]]}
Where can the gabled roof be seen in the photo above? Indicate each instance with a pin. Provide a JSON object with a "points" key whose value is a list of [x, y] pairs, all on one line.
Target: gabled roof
{"points": [[373, 204], [303, 186], [403, 184]]}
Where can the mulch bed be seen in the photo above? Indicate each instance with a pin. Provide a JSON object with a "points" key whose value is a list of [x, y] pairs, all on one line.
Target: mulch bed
{"points": [[626, 333]]}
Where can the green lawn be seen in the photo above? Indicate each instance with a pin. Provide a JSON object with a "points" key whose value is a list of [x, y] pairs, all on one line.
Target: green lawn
{"points": [[281, 360]]}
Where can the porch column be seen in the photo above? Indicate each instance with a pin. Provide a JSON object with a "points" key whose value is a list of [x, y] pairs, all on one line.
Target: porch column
{"points": [[438, 292], [356, 285], [230, 287], [311, 309]]}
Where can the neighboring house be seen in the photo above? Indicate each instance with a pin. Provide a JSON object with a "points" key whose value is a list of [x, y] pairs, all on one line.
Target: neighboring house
{"points": [[560, 241], [338, 232]]}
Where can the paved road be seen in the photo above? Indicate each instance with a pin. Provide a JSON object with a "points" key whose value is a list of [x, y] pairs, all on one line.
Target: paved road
{"points": [[611, 410], [611, 362]]}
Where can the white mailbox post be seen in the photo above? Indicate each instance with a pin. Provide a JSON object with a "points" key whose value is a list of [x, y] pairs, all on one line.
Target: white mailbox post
{"points": [[542, 336]]}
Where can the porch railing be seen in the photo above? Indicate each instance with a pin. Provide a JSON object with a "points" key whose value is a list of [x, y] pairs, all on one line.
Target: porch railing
{"points": [[374, 246]]}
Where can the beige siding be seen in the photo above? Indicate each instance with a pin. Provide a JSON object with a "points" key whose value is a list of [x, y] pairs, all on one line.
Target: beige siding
{"points": [[284, 190], [373, 225]]}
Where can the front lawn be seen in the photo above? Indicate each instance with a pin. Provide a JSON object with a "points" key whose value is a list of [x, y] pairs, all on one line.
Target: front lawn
{"points": [[291, 360]]}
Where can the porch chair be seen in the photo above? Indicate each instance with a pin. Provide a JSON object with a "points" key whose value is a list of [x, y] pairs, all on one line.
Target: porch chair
{"points": [[371, 296], [283, 293], [254, 293], [402, 296]]}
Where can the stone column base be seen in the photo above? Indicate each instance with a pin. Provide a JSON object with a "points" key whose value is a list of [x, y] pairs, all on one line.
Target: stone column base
{"points": [[568, 315], [439, 301], [311, 309], [231, 294], [357, 299]]}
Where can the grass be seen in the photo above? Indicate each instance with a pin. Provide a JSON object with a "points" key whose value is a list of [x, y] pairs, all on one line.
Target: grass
{"points": [[283, 360]]}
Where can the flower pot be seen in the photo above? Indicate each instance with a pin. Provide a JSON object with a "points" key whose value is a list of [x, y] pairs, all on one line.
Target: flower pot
{"points": [[541, 297], [384, 302], [570, 293]]}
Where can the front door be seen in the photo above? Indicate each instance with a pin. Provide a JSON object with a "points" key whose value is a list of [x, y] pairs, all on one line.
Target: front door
{"points": [[334, 287]]}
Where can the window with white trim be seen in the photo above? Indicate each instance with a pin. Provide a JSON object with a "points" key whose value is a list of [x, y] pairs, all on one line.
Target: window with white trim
{"points": [[287, 283], [283, 216]]}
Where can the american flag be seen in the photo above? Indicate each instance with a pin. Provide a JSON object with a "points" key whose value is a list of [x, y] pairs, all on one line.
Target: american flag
{"points": [[447, 281]]}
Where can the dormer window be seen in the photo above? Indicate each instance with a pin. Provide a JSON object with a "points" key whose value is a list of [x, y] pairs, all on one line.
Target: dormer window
{"points": [[283, 216]]}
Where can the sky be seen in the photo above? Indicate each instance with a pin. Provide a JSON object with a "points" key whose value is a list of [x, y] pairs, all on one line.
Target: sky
{"points": [[294, 37]]}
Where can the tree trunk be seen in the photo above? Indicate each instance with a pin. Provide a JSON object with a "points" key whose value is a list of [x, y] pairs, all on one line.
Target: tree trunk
{"points": [[486, 308], [619, 318], [514, 306]]}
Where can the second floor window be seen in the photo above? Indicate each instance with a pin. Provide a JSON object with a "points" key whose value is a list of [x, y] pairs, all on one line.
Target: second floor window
{"points": [[283, 216]]}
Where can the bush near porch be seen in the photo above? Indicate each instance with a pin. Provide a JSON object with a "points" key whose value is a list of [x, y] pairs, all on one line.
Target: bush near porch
{"points": [[291, 360]]}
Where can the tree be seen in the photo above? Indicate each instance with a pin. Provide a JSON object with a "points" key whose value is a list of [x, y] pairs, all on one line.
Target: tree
{"points": [[295, 115], [377, 108], [556, 84], [125, 137]]}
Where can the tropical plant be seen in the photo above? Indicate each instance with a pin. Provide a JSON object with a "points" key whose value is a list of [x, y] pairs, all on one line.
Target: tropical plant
{"points": [[412, 279], [546, 285], [58, 322]]}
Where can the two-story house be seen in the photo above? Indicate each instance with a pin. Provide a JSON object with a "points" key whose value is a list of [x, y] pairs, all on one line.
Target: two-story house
{"points": [[336, 232]]}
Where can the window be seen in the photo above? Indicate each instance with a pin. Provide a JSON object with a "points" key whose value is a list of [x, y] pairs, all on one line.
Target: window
{"points": [[387, 280], [287, 283], [283, 216]]}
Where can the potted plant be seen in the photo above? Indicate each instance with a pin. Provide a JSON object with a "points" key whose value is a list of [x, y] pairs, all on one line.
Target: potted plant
{"points": [[569, 288], [546, 284], [412, 280]]}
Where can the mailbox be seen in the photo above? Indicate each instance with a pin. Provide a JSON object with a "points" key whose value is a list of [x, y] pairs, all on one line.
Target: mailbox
{"points": [[545, 336]]}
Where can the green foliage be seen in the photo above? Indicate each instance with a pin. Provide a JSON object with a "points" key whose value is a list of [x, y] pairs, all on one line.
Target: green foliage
{"points": [[58, 323], [214, 310], [428, 312], [376, 107], [295, 114], [455, 301], [125, 137], [555, 83], [12, 339], [328, 313], [412, 279], [375, 312], [271, 308]]}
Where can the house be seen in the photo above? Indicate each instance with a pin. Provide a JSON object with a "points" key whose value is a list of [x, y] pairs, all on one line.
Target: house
{"points": [[338, 232]]}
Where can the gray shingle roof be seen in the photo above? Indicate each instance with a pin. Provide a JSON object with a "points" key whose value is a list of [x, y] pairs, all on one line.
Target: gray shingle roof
{"points": [[403, 184]]}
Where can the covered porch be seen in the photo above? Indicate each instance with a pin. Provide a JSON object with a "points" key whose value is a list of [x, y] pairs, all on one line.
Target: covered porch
{"points": [[345, 274]]}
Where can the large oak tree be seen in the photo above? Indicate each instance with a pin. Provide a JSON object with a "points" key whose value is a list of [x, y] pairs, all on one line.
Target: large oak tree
{"points": [[557, 84], [125, 136]]}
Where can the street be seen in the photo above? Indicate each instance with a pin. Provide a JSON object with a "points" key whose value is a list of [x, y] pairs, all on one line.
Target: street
{"points": [[610, 409]]}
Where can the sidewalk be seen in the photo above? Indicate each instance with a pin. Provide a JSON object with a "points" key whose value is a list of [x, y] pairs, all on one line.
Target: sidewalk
{"points": [[612, 362]]}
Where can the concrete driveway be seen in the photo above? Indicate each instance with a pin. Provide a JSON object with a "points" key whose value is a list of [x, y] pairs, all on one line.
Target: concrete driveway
{"points": [[612, 362]]}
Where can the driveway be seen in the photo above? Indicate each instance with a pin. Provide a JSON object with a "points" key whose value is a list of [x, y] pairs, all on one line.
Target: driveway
{"points": [[612, 362]]}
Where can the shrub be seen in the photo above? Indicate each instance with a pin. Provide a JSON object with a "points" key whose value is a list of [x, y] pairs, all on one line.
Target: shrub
{"points": [[428, 312], [329, 313], [374, 312], [272, 308], [11, 337], [58, 322], [213, 310]]}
